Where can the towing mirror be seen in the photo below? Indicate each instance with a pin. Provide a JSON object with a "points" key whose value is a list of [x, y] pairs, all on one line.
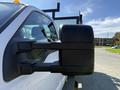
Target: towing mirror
{"points": [[76, 52]]}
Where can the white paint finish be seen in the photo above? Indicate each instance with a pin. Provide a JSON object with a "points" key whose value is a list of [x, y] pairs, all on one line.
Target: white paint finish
{"points": [[61, 84], [38, 80], [35, 81], [7, 34]]}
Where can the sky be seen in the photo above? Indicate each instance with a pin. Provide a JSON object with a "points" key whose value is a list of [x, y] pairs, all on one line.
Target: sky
{"points": [[102, 15]]}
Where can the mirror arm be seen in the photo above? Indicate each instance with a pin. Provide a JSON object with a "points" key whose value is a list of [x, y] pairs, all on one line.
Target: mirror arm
{"points": [[28, 46], [53, 67], [27, 67], [76, 52]]}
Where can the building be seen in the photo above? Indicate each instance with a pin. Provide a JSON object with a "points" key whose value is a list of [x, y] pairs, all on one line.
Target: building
{"points": [[103, 41]]}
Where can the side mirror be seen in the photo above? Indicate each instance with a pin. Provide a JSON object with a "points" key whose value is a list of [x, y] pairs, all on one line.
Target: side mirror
{"points": [[81, 59], [76, 52]]}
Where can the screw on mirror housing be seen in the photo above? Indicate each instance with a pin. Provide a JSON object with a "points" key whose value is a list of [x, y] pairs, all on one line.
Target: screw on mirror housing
{"points": [[76, 52]]}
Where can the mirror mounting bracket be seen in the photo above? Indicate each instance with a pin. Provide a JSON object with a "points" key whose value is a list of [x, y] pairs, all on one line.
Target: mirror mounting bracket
{"points": [[76, 52], [31, 45]]}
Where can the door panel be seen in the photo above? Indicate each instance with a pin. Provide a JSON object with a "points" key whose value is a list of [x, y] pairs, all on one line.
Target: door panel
{"points": [[41, 31], [39, 80]]}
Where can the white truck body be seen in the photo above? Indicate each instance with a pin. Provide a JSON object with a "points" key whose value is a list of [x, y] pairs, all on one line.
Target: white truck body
{"points": [[37, 80]]}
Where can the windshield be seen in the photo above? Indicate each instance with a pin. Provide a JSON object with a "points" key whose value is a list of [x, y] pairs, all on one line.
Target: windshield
{"points": [[7, 10]]}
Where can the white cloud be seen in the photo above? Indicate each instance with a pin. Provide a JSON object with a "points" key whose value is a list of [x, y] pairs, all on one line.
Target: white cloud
{"points": [[86, 11], [107, 25], [70, 9], [84, 6], [106, 22]]}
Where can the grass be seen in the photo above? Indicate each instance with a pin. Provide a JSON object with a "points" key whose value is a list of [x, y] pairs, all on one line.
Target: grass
{"points": [[98, 46], [102, 46], [113, 50], [109, 49]]}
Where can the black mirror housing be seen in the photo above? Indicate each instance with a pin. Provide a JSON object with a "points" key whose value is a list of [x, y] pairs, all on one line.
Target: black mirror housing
{"points": [[81, 60], [76, 52]]}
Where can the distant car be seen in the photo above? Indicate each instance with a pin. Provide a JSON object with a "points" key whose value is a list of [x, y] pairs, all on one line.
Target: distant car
{"points": [[116, 47]]}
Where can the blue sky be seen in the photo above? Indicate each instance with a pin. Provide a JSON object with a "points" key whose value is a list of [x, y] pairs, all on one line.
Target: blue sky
{"points": [[103, 15]]}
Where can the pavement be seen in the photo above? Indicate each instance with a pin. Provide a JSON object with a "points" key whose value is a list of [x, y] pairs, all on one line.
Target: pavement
{"points": [[106, 75]]}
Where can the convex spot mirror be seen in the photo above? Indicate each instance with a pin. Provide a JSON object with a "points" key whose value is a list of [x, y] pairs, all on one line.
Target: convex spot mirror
{"points": [[76, 52]]}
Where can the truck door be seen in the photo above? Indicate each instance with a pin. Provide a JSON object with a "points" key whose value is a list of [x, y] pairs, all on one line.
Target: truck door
{"points": [[40, 28]]}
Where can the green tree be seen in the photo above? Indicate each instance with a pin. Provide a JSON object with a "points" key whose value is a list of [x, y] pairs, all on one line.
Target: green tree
{"points": [[116, 38]]}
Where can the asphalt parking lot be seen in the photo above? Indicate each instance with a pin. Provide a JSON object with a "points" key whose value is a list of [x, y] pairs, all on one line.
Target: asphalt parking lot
{"points": [[106, 75]]}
